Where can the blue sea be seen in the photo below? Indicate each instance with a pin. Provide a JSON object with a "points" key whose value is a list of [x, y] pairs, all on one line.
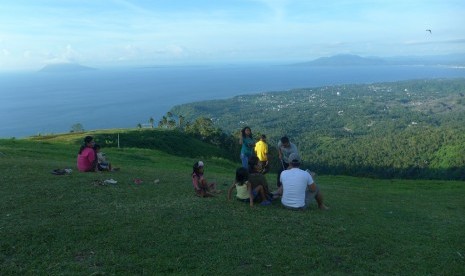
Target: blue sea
{"points": [[45, 103]]}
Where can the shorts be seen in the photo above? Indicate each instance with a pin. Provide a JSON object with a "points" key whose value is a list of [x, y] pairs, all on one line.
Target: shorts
{"points": [[103, 166], [311, 196], [248, 199], [294, 208]]}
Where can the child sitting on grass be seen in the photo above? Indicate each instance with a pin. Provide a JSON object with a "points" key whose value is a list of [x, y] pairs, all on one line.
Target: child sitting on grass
{"points": [[201, 187], [102, 163], [244, 190]]}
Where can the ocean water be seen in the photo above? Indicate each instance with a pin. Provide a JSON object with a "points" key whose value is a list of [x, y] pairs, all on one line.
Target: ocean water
{"points": [[45, 103]]}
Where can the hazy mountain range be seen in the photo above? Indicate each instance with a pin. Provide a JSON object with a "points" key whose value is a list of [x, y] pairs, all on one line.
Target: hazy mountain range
{"points": [[336, 60], [355, 60], [65, 67]]}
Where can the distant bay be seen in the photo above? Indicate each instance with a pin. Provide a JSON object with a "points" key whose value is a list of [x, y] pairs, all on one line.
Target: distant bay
{"points": [[45, 103]]}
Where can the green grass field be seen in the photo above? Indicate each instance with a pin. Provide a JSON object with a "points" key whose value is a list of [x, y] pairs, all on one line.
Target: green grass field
{"points": [[67, 225]]}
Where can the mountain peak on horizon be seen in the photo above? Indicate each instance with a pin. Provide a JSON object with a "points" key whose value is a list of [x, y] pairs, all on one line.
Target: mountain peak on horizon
{"points": [[65, 68], [344, 60]]}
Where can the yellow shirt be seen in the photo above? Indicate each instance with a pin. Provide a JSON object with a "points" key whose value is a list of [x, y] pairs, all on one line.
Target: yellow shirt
{"points": [[261, 149], [242, 192]]}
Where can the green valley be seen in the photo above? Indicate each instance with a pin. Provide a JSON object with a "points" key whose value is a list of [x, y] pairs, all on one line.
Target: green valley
{"points": [[408, 129]]}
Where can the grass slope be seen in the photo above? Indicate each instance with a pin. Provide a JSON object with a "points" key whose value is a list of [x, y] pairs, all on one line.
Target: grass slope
{"points": [[67, 225], [172, 142]]}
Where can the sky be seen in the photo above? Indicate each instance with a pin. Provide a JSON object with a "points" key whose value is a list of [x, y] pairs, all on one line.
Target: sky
{"points": [[106, 33]]}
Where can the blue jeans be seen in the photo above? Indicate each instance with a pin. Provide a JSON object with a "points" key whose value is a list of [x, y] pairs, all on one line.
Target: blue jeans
{"points": [[245, 161]]}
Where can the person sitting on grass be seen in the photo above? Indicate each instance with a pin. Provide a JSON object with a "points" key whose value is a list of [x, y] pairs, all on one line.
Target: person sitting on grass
{"points": [[244, 190], [298, 188], [256, 178], [87, 159], [102, 163], [201, 187]]}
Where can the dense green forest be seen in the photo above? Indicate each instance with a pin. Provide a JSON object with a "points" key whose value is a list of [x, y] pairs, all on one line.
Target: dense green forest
{"points": [[408, 129]]}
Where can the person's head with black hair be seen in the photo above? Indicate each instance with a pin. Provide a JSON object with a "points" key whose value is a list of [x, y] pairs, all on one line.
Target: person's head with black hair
{"points": [[88, 143], [88, 139], [197, 168], [285, 142], [242, 175], [253, 162], [246, 132]]}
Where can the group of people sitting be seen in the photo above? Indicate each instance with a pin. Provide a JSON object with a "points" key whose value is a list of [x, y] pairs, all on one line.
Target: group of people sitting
{"points": [[296, 186], [90, 158]]}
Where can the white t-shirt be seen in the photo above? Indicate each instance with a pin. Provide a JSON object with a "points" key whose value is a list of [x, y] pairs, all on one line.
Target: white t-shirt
{"points": [[295, 182], [101, 157]]}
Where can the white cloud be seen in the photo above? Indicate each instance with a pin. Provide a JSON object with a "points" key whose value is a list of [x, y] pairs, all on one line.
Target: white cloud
{"points": [[64, 55]]}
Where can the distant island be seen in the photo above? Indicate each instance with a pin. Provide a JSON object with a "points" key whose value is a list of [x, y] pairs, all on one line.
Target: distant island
{"points": [[355, 60], [344, 60], [65, 68]]}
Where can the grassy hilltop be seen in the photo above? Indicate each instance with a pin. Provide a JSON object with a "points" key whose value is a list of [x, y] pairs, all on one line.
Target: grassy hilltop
{"points": [[69, 225]]}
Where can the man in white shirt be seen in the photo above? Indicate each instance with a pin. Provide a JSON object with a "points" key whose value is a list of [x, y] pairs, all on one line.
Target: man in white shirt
{"points": [[285, 148], [298, 187]]}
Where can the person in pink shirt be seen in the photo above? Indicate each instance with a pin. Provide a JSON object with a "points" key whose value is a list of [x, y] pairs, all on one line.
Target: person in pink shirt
{"points": [[86, 160], [202, 188]]}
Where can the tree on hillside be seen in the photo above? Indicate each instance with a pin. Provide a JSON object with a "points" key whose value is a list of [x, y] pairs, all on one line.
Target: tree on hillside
{"points": [[171, 124], [181, 121], [171, 120], [77, 128], [139, 125], [168, 121], [151, 121], [205, 129], [163, 122]]}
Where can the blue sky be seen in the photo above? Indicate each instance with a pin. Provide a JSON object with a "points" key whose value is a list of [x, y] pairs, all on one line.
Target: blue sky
{"points": [[103, 33]]}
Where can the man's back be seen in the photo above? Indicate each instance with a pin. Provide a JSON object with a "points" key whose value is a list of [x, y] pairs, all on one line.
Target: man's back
{"points": [[295, 182]]}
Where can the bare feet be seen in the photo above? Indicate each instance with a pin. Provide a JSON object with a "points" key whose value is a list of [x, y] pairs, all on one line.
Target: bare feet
{"points": [[323, 207]]}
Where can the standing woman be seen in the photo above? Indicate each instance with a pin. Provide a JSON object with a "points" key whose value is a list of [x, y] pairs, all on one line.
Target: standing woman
{"points": [[248, 145], [86, 160]]}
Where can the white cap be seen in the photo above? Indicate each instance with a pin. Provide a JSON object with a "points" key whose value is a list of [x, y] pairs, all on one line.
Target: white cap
{"points": [[200, 164]]}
